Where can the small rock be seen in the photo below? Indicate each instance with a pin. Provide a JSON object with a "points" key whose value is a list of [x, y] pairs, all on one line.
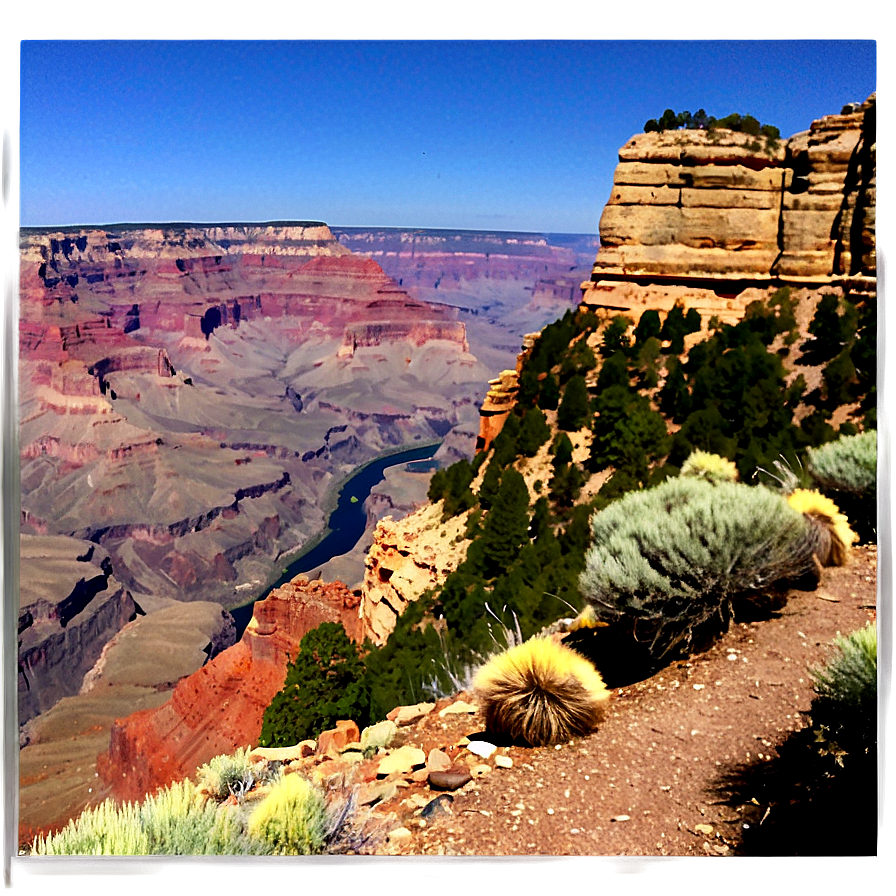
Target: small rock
{"points": [[421, 775], [377, 792], [441, 805], [438, 760], [621, 818], [458, 707], [481, 748], [703, 829], [404, 715], [334, 740], [699, 687], [352, 756], [503, 761], [399, 835], [380, 735], [477, 771], [283, 754], [401, 761], [450, 779]]}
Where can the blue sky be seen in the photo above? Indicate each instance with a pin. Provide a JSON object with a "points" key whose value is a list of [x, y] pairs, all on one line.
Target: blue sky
{"points": [[504, 135]]}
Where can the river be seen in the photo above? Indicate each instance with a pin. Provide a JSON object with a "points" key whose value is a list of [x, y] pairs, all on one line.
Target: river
{"points": [[345, 527]]}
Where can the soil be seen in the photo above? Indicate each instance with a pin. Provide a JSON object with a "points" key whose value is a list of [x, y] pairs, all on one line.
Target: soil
{"points": [[706, 757]]}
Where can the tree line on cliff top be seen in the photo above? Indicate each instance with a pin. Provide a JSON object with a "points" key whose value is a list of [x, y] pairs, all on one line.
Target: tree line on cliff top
{"points": [[730, 394], [746, 124]]}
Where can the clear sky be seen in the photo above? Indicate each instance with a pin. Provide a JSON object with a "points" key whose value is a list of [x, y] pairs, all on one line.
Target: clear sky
{"points": [[492, 135]]}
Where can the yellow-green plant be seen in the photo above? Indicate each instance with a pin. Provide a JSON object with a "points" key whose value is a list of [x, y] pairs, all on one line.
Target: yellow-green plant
{"points": [[108, 829], [712, 467], [292, 819]]}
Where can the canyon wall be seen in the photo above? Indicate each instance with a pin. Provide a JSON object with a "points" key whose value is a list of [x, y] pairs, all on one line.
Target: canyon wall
{"points": [[702, 217], [70, 606], [220, 707], [189, 393]]}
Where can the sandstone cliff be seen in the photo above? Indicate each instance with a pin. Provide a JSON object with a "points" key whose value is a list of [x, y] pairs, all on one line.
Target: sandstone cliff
{"points": [[702, 216], [220, 707]]}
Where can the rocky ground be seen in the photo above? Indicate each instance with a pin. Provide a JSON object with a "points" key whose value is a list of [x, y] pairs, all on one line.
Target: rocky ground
{"points": [[683, 765]]}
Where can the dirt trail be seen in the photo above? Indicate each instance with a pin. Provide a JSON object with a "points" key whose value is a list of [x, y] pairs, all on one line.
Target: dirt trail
{"points": [[652, 780]]}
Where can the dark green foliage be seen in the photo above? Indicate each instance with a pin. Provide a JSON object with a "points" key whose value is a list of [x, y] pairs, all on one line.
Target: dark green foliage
{"points": [[831, 330], [668, 563], [505, 444], [676, 326], [549, 397], [574, 410], [491, 482], [675, 398], [747, 124], [534, 432], [613, 372], [552, 344], [647, 363], [615, 336], [579, 359], [649, 327], [326, 682], [561, 449], [506, 527], [628, 433], [565, 485], [452, 485]]}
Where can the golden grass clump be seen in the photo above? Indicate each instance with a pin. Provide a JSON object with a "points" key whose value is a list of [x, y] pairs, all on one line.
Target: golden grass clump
{"points": [[540, 692], [835, 535]]}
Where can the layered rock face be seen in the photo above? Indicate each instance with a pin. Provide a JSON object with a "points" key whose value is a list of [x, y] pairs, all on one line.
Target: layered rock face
{"points": [[701, 216], [407, 557], [70, 606], [189, 393], [504, 284], [220, 707]]}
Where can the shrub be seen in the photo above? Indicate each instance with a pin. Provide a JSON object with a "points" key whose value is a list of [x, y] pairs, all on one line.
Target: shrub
{"points": [[180, 821], [292, 819], [845, 707], [104, 830], [669, 562], [711, 467], [847, 465], [226, 775], [835, 536], [325, 683], [540, 692]]}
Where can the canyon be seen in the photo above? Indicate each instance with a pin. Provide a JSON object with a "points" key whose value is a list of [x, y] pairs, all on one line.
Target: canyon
{"points": [[708, 220]]}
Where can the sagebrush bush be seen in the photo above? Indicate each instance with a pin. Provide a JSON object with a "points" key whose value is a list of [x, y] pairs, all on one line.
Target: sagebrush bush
{"points": [[668, 562], [228, 774], [713, 467], [104, 830], [847, 465], [292, 819], [845, 705]]}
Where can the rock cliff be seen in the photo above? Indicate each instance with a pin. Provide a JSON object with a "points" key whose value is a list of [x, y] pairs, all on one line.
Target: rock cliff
{"points": [[701, 217], [70, 606], [220, 707]]}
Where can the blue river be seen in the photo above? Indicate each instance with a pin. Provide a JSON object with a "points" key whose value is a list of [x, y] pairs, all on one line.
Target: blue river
{"points": [[346, 524]]}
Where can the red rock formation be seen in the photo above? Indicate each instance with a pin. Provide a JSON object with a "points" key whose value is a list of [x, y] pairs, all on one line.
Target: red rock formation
{"points": [[220, 707]]}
